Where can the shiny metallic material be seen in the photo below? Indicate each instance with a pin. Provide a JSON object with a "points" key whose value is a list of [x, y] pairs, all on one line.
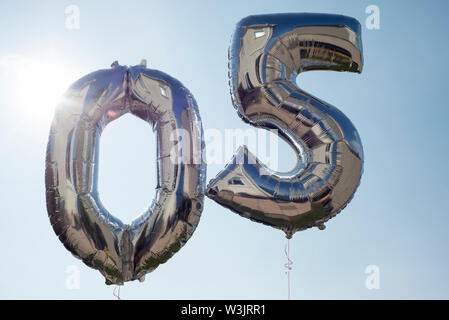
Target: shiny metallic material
{"points": [[267, 53], [125, 252]]}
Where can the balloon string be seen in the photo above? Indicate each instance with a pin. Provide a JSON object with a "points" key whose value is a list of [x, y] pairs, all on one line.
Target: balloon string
{"points": [[288, 265], [116, 292]]}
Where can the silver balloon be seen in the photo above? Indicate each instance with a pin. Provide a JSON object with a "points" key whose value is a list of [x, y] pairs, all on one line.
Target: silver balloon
{"points": [[267, 53], [124, 252]]}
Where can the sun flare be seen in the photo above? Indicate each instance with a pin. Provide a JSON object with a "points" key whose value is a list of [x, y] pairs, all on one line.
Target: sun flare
{"points": [[35, 87]]}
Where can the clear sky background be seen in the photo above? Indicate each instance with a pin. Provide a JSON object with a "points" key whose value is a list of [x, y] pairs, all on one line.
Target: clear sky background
{"points": [[397, 220]]}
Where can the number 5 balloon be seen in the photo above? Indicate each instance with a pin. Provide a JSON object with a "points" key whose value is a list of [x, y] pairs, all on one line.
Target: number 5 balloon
{"points": [[266, 55], [124, 252]]}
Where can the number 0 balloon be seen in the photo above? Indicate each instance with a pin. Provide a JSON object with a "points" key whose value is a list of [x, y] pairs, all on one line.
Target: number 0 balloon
{"points": [[124, 252], [266, 55]]}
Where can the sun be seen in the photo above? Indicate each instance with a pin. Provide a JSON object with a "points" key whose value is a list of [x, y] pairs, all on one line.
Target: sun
{"points": [[35, 87]]}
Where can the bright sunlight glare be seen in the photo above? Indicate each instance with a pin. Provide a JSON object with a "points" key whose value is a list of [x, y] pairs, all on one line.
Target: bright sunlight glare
{"points": [[35, 87]]}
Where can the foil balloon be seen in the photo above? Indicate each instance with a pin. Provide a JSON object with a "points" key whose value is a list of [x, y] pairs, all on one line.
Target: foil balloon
{"points": [[124, 252], [267, 53]]}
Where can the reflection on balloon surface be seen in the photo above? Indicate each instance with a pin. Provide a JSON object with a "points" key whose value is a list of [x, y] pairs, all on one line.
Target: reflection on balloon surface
{"points": [[267, 53]]}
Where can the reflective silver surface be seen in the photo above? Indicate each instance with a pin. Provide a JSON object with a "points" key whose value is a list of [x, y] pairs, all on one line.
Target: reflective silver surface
{"points": [[124, 252], [267, 53]]}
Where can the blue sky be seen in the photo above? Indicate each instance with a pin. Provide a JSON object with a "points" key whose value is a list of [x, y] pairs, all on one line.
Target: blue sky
{"points": [[396, 221]]}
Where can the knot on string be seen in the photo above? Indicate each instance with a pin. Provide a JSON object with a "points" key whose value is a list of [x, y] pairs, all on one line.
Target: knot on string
{"points": [[116, 292], [288, 265]]}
